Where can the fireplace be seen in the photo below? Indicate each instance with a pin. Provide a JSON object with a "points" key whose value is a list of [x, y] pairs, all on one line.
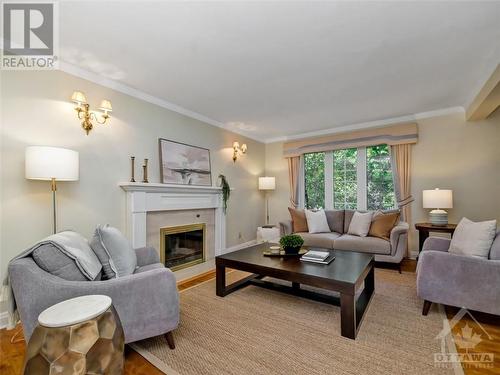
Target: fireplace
{"points": [[182, 246]]}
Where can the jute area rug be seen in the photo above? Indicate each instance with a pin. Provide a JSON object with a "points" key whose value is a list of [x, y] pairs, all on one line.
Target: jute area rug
{"points": [[258, 331]]}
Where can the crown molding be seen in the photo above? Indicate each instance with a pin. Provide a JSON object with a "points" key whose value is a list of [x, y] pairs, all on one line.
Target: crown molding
{"points": [[138, 94], [370, 124]]}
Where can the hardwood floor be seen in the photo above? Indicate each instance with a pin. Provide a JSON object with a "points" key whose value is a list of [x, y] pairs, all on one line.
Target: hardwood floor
{"points": [[11, 355]]}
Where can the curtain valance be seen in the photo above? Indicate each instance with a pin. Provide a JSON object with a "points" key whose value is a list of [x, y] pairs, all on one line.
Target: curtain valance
{"points": [[391, 135]]}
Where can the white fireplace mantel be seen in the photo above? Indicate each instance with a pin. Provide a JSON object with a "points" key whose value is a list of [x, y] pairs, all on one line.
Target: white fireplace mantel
{"points": [[147, 197]]}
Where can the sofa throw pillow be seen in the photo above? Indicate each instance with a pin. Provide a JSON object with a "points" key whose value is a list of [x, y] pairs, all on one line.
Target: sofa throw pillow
{"points": [[299, 221], [360, 224], [382, 224], [316, 221], [335, 220], [473, 239], [117, 256]]}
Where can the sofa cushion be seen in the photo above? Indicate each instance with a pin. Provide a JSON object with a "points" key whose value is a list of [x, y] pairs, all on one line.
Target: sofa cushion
{"points": [[360, 224], [335, 220], [495, 248], [117, 256], [371, 245], [324, 240], [316, 221], [149, 267], [382, 224], [299, 221], [50, 259], [473, 239]]}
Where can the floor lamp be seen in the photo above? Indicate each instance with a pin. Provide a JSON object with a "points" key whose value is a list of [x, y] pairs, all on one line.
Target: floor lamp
{"points": [[51, 164], [267, 184]]}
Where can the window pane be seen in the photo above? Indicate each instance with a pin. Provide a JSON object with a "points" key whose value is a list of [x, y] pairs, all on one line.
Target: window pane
{"points": [[345, 179], [314, 173], [380, 187]]}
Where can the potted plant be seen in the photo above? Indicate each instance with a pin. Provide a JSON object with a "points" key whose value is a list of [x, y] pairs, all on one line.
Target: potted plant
{"points": [[291, 243], [226, 191]]}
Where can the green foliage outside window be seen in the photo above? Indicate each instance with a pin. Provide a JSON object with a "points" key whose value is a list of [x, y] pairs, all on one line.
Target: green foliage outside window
{"points": [[380, 187], [314, 173], [345, 184]]}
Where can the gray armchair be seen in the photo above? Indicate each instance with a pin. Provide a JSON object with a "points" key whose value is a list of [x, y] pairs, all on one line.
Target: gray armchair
{"points": [[147, 302], [458, 280]]}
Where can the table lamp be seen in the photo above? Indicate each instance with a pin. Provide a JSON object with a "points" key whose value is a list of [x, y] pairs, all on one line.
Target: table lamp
{"points": [[438, 199], [51, 164], [267, 184]]}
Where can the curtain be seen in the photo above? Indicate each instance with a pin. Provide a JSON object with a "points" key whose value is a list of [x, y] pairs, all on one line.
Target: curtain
{"points": [[401, 164], [294, 173]]}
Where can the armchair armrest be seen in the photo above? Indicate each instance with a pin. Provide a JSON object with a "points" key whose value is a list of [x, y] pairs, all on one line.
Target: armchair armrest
{"points": [[458, 280], [437, 244], [147, 255], [286, 227]]}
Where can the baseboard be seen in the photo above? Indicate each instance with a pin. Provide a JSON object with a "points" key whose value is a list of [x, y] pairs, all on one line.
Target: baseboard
{"points": [[239, 246], [413, 254], [4, 319]]}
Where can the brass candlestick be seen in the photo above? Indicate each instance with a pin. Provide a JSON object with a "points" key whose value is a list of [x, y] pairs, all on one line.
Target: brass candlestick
{"points": [[145, 171], [132, 160]]}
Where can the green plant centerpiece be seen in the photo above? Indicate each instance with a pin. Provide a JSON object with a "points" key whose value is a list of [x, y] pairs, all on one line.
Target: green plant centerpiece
{"points": [[291, 243], [226, 191]]}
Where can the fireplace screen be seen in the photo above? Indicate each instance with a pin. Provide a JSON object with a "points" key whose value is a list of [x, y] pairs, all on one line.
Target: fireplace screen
{"points": [[182, 246]]}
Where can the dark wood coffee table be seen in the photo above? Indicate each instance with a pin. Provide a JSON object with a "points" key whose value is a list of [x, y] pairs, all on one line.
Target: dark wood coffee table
{"points": [[345, 275]]}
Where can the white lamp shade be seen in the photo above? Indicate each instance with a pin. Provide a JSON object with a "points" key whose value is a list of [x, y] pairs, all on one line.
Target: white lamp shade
{"points": [[437, 198], [267, 183], [46, 163]]}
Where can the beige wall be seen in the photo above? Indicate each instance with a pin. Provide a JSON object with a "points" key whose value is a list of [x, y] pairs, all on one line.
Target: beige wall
{"points": [[450, 153], [36, 111]]}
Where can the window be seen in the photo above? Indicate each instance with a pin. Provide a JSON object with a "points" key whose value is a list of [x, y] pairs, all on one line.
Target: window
{"points": [[345, 194], [379, 184], [314, 175], [354, 178]]}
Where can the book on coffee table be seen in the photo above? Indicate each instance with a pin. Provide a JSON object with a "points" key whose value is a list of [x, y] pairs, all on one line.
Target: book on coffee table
{"points": [[316, 256]]}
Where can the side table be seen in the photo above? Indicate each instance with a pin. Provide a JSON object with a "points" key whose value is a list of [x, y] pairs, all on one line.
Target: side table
{"points": [[425, 228], [78, 336]]}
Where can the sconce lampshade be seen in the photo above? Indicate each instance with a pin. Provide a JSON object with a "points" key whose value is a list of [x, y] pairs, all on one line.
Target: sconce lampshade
{"points": [[79, 97], [267, 183], [106, 106], [46, 163], [437, 198]]}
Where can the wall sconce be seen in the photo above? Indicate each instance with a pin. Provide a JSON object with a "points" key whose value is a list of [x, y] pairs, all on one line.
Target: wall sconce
{"points": [[83, 111], [237, 150]]}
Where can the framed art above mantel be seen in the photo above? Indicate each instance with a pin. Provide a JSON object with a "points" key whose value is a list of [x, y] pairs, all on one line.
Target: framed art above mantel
{"points": [[183, 164]]}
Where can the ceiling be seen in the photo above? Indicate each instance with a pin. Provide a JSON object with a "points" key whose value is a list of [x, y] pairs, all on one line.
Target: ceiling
{"points": [[271, 70]]}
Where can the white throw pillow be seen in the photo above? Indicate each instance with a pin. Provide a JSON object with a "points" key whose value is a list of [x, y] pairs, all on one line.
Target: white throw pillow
{"points": [[473, 239], [360, 224], [316, 221]]}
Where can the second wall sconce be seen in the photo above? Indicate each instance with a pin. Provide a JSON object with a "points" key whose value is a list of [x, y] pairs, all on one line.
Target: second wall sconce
{"points": [[83, 111], [238, 150]]}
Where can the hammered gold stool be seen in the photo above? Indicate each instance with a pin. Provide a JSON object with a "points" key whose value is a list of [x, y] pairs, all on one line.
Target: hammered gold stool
{"points": [[79, 336]]}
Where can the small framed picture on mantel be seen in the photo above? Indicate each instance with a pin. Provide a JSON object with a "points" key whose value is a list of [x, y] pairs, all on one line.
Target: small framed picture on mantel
{"points": [[183, 164]]}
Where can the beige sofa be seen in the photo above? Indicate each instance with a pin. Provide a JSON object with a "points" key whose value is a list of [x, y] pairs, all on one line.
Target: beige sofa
{"points": [[391, 251]]}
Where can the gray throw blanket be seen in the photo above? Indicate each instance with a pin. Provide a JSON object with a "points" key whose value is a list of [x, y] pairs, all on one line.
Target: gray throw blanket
{"points": [[69, 243]]}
